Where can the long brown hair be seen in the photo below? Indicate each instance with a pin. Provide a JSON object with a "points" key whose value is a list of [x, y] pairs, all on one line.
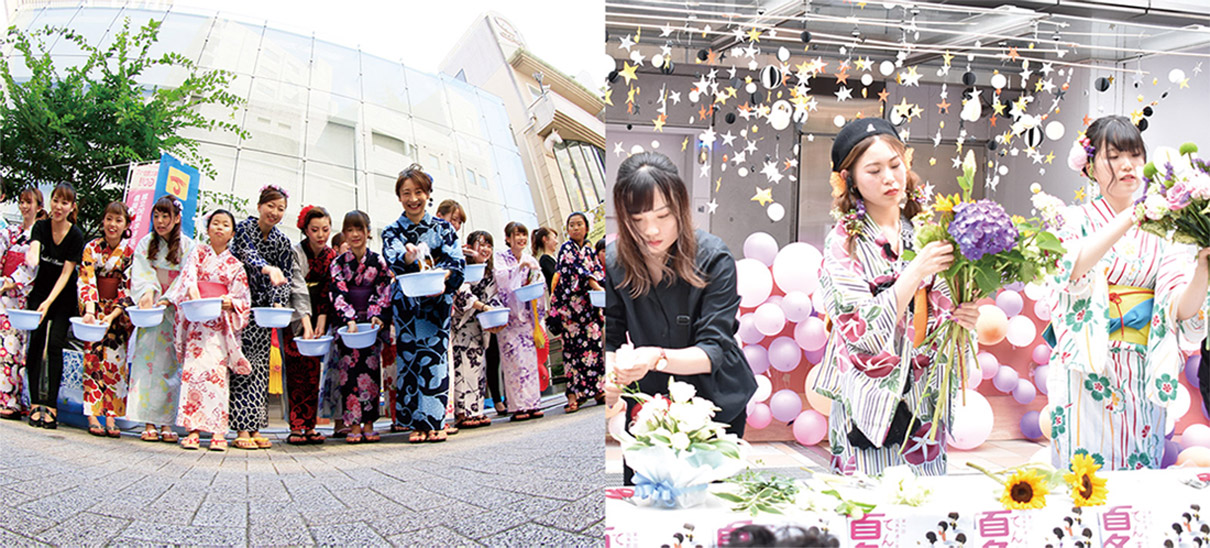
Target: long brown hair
{"points": [[67, 192], [844, 189], [34, 195], [118, 208], [168, 205], [538, 245], [639, 178]]}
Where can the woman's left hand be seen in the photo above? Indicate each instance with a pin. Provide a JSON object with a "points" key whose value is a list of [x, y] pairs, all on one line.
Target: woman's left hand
{"points": [[643, 360], [967, 314], [376, 321]]}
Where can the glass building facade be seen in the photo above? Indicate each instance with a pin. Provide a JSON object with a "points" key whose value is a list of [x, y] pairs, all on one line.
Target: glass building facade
{"points": [[331, 124]]}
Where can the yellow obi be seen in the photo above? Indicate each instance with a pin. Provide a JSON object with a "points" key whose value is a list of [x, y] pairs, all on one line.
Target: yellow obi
{"points": [[1130, 311]]}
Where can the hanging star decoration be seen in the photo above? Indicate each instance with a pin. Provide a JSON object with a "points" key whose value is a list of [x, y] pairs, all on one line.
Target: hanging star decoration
{"points": [[903, 108], [754, 35], [843, 93], [771, 173], [764, 196], [627, 72], [911, 77], [712, 205]]}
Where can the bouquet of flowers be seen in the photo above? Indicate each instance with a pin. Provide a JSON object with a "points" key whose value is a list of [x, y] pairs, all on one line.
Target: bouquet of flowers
{"points": [[676, 449], [994, 249], [1177, 203]]}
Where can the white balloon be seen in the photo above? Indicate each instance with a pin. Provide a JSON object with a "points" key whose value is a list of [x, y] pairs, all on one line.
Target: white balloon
{"points": [[657, 60], [1176, 75], [1021, 331], [972, 422], [796, 268], [999, 80], [838, 120], [753, 281], [743, 172], [1181, 405], [867, 79], [886, 68], [1055, 130], [655, 145], [764, 388], [1035, 291], [797, 306], [694, 96], [750, 87], [779, 116], [776, 212]]}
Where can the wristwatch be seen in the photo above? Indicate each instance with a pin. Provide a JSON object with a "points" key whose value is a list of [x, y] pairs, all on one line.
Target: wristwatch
{"points": [[662, 363]]}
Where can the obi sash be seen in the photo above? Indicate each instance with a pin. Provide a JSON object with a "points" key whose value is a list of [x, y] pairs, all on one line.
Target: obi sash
{"points": [[166, 277], [12, 260], [1130, 313], [107, 288], [211, 290], [359, 298]]}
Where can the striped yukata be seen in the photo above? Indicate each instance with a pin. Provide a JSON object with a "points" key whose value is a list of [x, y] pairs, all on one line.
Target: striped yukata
{"points": [[1111, 403], [871, 366]]}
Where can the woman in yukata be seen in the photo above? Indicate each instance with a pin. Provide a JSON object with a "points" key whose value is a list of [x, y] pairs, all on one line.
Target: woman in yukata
{"points": [[104, 295], [310, 299], [873, 370], [415, 241], [1129, 307], [518, 353], [470, 339], [17, 282], [672, 298], [155, 370], [582, 328], [210, 351], [361, 293], [269, 264]]}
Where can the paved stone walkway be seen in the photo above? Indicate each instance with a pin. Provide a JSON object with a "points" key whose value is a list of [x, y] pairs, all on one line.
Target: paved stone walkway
{"points": [[535, 483]]}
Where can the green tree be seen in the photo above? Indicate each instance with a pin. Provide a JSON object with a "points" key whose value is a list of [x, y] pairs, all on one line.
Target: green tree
{"points": [[77, 123]]}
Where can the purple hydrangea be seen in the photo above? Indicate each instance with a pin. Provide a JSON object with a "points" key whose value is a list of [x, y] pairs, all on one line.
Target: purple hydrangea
{"points": [[982, 228]]}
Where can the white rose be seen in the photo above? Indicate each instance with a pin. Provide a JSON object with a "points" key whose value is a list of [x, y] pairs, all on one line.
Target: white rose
{"points": [[1155, 206], [681, 392], [680, 441]]}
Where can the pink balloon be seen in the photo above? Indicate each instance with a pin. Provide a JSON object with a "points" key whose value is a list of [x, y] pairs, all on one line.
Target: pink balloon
{"points": [[1005, 379], [988, 363], [814, 356], [784, 354], [810, 427], [972, 422], [1025, 392], [1029, 426], [1042, 310], [1010, 302], [797, 306], [760, 416], [1040, 374], [753, 282], [762, 247], [758, 358], [747, 329], [769, 319], [785, 405], [974, 375], [1195, 435], [811, 334], [1021, 331], [1041, 354], [796, 268]]}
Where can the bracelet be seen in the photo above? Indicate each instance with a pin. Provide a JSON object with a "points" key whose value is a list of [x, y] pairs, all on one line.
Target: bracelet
{"points": [[662, 363]]}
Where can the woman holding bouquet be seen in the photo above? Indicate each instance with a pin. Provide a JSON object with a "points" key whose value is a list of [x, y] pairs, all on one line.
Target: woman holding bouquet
{"points": [[672, 290], [878, 378], [1128, 306]]}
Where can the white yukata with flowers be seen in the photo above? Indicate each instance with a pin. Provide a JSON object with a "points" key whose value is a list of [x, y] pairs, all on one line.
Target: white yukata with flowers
{"points": [[1108, 396], [871, 363]]}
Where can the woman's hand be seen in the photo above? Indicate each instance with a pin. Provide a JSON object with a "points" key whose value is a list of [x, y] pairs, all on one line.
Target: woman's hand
{"points": [[227, 305], [469, 252], [8, 286], [496, 330], [113, 316], [89, 318], [967, 315], [596, 286], [411, 253], [376, 321], [352, 327], [935, 257], [275, 275], [193, 294], [643, 360], [530, 263], [42, 308], [147, 300], [613, 394]]}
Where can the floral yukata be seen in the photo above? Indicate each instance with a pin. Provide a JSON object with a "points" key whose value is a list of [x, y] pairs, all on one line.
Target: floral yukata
{"points": [[312, 274], [582, 322], [470, 345], [207, 351], [14, 242], [361, 291], [422, 324], [155, 369], [518, 354], [250, 393], [1111, 404], [872, 370], [105, 281]]}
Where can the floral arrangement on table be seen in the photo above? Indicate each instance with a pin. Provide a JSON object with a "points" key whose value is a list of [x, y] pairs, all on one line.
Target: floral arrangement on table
{"points": [[853, 496], [1025, 487], [992, 249], [676, 449], [1176, 206]]}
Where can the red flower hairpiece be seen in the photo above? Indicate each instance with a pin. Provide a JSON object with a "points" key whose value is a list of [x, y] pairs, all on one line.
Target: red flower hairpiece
{"points": [[302, 217]]}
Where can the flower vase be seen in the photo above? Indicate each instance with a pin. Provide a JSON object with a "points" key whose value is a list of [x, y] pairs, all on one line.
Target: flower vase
{"points": [[667, 478]]}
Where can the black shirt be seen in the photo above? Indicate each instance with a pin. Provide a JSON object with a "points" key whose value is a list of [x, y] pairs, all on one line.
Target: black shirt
{"points": [[50, 266], [549, 267], [677, 315]]}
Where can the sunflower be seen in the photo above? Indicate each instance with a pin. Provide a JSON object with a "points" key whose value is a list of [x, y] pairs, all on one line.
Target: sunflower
{"points": [[1025, 489], [1086, 488], [946, 203]]}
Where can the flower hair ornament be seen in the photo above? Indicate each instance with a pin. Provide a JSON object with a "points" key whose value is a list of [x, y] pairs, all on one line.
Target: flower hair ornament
{"points": [[1081, 153], [302, 217], [275, 187], [180, 207]]}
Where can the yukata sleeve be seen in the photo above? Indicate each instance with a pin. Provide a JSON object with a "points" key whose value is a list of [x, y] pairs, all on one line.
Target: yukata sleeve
{"points": [[340, 293], [866, 321], [451, 258], [143, 279], [1080, 312], [241, 296], [300, 298], [190, 275], [394, 248], [243, 245], [87, 278], [380, 305], [1171, 340]]}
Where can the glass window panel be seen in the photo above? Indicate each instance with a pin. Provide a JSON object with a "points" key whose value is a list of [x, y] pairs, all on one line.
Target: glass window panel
{"points": [[336, 68], [182, 33], [464, 108], [256, 169], [333, 187], [580, 166], [496, 120], [92, 23], [239, 86], [486, 215], [284, 56], [223, 159], [567, 172], [55, 17], [27, 19], [483, 181], [331, 128], [426, 97], [511, 186], [392, 146], [438, 148], [232, 46], [275, 117], [383, 83], [596, 164]]}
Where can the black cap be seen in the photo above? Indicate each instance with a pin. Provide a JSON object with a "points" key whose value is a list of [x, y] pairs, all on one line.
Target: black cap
{"points": [[854, 132]]}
